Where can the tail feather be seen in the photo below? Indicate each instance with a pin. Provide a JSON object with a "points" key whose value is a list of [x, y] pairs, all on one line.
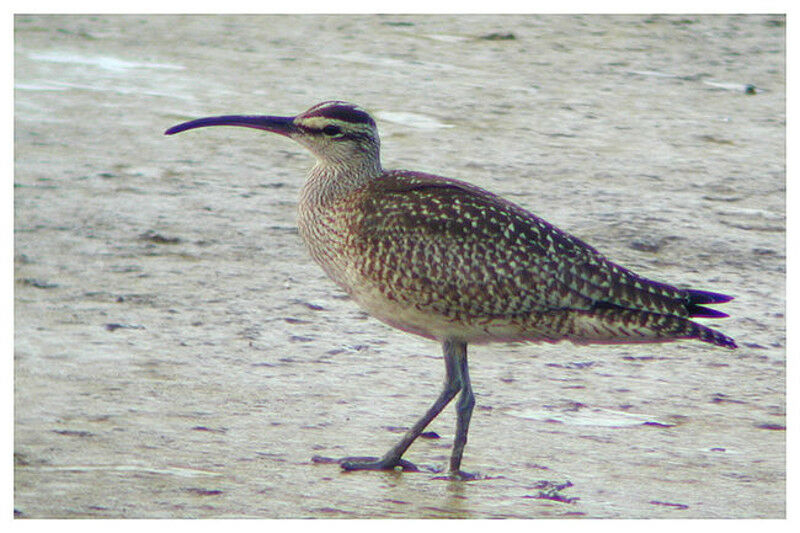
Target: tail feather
{"points": [[712, 336], [609, 325], [679, 327], [696, 298]]}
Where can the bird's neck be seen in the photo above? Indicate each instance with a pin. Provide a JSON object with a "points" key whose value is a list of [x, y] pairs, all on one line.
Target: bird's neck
{"points": [[330, 182], [325, 212]]}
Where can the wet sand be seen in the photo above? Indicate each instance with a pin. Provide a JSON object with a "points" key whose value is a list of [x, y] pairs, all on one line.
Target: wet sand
{"points": [[177, 354]]}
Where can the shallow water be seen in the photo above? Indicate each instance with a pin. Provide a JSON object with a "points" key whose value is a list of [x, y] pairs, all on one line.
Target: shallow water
{"points": [[177, 354]]}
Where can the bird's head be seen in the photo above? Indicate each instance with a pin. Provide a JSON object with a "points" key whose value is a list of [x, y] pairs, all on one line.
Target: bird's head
{"points": [[337, 133]]}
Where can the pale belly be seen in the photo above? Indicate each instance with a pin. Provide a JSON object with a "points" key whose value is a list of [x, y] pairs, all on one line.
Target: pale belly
{"points": [[558, 325], [434, 325]]}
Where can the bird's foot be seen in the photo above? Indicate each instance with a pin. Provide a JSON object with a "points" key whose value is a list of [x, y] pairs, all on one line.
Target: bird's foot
{"points": [[459, 475], [373, 463]]}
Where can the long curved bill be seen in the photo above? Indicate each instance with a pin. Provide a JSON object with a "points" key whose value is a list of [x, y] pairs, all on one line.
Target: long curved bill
{"points": [[281, 125]]}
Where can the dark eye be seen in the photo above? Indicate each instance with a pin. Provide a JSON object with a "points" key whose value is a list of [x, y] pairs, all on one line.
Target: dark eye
{"points": [[332, 131]]}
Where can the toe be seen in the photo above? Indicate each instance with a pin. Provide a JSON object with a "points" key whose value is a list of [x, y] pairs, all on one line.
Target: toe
{"points": [[373, 463]]}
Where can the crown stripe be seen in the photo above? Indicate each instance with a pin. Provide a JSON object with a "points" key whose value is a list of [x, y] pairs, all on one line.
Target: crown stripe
{"points": [[340, 111]]}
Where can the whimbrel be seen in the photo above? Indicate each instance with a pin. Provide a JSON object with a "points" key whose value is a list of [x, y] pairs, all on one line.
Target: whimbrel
{"points": [[452, 262]]}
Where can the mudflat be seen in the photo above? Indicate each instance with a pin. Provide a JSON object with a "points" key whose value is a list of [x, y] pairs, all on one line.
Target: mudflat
{"points": [[177, 353]]}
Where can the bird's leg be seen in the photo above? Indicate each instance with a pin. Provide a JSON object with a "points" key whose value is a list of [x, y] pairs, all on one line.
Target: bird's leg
{"points": [[452, 384], [466, 402]]}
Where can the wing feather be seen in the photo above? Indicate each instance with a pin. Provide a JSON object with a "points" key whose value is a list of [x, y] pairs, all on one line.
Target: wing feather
{"points": [[452, 246]]}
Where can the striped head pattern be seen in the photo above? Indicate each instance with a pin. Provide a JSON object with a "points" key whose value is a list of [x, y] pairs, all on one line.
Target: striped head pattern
{"points": [[338, 132]]}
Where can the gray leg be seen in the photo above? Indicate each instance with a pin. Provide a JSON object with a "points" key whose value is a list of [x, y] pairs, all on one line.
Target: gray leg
{"points": [[455, 360], [466, 402]]}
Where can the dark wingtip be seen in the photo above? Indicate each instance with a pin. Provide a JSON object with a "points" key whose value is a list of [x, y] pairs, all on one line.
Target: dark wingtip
{"points": [[707, 297], [696, 299], [698, 311]]}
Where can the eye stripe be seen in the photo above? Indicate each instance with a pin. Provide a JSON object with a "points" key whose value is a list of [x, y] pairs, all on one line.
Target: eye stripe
{"points": [[316, 130], [316, 125]]}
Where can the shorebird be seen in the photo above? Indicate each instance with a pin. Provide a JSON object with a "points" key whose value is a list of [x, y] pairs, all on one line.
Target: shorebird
{"points": [[452, 262]]}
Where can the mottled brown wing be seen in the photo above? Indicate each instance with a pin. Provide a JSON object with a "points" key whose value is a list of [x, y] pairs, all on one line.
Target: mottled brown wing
{"points": [[452, 246]]}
